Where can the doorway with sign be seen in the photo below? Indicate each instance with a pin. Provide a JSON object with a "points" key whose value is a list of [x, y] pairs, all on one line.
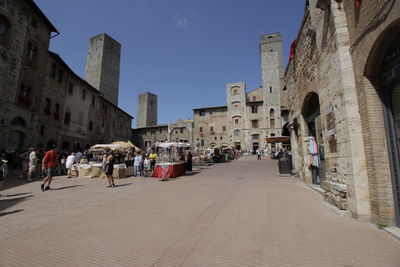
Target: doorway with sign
{"points": [[312, 116]]}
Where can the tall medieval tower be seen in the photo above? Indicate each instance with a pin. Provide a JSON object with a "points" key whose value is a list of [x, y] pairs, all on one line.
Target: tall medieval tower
{"points": [[102, 66], [147, 110], [272, 73]]}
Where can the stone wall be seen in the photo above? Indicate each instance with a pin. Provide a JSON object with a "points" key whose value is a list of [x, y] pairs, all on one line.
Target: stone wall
{"points": [[322, 65], [372, 27]]}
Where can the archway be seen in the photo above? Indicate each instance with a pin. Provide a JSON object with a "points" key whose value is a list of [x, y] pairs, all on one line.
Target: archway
{"points": [[50, 144], [65, 145], [312, 115], [388, 87]]}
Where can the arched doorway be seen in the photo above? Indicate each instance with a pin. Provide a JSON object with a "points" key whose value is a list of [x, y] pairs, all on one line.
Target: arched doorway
{"points": [[312, 115], [389, 90], [50, 144], [65, 145], [16, 136]]}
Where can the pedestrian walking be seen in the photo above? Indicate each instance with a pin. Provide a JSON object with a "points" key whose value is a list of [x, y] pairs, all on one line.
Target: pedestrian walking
{"points": [[152, 157], [258, 152], [109, 169], [137, 164], [3, 169], [49, 166], [32, 164], [189, 161], [69, 164], [24, 164]]}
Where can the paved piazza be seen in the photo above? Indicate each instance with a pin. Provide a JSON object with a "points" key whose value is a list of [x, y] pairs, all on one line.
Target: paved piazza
{"points": [[230, 214]]}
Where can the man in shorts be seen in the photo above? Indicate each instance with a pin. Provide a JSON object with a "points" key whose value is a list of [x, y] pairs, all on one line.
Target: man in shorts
{"points": [[49, 165]]}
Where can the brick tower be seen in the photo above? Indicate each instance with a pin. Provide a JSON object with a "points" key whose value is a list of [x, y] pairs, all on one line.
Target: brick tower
{"points": [[102, 66], [147, 110]]}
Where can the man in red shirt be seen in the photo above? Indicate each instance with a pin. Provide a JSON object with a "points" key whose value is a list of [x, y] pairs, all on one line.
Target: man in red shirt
{"points": [[49, 165]]}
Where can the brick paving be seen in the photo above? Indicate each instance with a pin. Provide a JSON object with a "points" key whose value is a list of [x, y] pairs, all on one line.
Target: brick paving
{"points": [[231, 214]]}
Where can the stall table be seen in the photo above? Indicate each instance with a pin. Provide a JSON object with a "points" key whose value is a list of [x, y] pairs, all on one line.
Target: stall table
{"points": [[172, 169]]}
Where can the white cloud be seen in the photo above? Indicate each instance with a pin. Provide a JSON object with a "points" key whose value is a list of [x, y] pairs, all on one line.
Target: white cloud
{"points": [[181, 21]]}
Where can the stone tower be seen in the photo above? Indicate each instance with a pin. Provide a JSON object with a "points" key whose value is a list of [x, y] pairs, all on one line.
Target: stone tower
{"points": [[102, 66], [272, 73], [147, 110]]}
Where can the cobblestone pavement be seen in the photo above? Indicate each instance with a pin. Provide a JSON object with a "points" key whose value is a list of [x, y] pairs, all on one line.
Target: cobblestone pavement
{"points": [[231, 214]]}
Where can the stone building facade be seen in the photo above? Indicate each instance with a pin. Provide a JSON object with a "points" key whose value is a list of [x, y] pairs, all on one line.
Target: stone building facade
{"points": [[249, 117], [336, 94], [181, 131], [43, 101]]}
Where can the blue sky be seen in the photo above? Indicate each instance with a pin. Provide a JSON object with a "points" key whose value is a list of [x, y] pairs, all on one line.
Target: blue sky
{"points": [[185, 51]]}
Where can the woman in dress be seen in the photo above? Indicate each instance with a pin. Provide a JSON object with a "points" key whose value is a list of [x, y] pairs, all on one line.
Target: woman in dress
{"points": [[69, 164], [109, 168]]}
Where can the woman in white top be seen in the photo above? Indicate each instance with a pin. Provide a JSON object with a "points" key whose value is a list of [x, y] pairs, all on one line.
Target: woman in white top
{"points": [[70, 163]]}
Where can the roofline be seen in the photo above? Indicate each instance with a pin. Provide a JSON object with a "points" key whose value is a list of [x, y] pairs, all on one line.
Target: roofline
{"points": [[306, 14], [210, 108], [149, 127], [62, 62], [35, 8]]}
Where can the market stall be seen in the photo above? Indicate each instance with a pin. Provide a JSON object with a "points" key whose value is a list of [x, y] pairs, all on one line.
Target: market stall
{"points": [[170, 163], [122, 150]]}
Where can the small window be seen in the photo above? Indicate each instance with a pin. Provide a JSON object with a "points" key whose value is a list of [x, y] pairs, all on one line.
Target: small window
{"points": [[211, 129], [114, 124], [176, 132], [4, 26], [24, 91], [56, 111], [202, 112], [254, 98], [47, 106], [236, 132], [223, 128], [254, 109], [70, 89], [270, 89], [271, 112], [42, 130], [220, 138], [67, 118], [53, 71], [235, 92], [254, 123], [103, 122], [272, 123], [94, 100], [104, 108], [201, 129], [90, 125], [181, 130], [83, 94], [215, 138], [236, 121], [32, 51], [272, 134], [202, 142], [160, 130]]}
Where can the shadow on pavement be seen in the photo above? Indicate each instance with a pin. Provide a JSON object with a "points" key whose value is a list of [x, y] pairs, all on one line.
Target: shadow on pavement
{"points": [[18, 194], [10, 212], [7, 203], [119, 185], [67, 187], [191, 173]]}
